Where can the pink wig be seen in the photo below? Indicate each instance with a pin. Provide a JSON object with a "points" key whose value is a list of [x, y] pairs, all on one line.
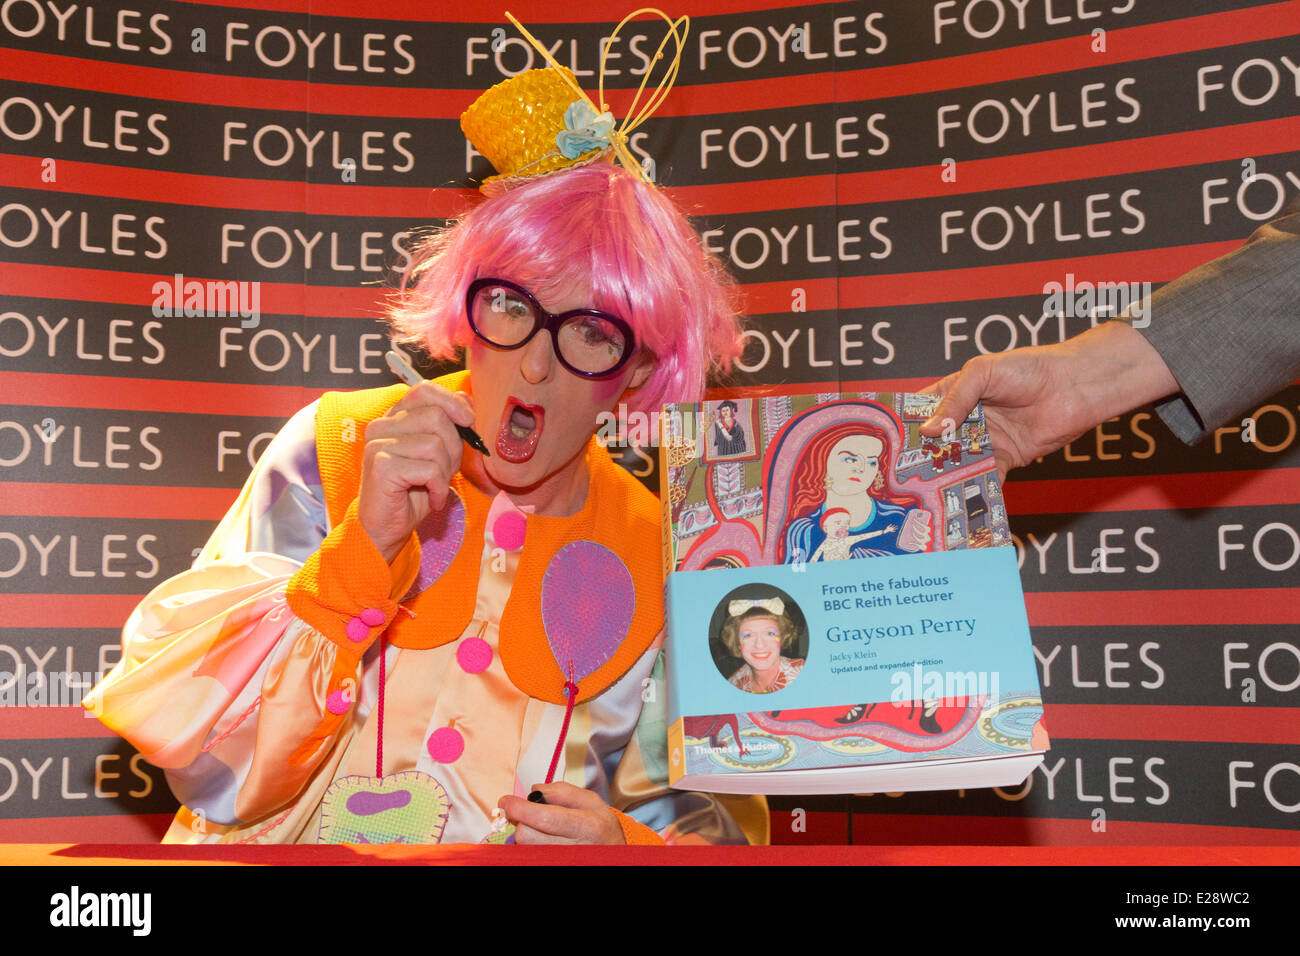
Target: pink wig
{"points": [[596, 226]]}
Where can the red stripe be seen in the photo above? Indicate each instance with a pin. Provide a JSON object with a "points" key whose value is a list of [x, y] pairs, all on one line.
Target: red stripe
{"points": [[1256, 725], [416, 202], [114, 501], [67, 610], [979, 282], [886, 384], [136, 288], [1200, 606], [213, 89], [115, 828], [1021, 278], [1046, 608], [1131, 842], [227, 192], [760, 195], [1112, 158], [871, 83], [387, 102], [819, 828], [58, 390], [813, 388], [156, 395], [43, 723], [901, 288], [1155, 492]]}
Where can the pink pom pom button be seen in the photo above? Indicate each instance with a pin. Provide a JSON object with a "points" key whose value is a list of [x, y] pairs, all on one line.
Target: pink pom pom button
{"points": [[357, 630], [446, 745], [508, 530], [338, 702], [474, 655], [372, 617]]}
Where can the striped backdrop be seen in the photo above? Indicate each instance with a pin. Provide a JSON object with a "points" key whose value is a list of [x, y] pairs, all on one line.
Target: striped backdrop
{"points": [[893, 182]]}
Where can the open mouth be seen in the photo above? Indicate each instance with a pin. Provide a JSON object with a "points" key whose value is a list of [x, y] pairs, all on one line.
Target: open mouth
{"points": [[521, 428]]}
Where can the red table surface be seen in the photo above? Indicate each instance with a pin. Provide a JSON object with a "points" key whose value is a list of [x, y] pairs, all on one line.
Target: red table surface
{"points": [[55, 854]]}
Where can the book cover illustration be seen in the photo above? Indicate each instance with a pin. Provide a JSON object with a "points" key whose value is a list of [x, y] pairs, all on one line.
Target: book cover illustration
{"points": [[927, 656], [808, 464]]}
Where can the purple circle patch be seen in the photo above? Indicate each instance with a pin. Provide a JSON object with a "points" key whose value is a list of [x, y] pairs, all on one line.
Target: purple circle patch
{"points": [[587, 606], [441, 535]]}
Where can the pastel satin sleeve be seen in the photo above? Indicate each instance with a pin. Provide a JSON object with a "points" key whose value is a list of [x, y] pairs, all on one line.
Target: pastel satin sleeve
{"points": [[221, 683], [650, 811]]}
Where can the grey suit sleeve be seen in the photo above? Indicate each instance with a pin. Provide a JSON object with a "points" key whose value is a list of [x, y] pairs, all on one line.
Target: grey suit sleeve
{"points": [[1230, 330]]}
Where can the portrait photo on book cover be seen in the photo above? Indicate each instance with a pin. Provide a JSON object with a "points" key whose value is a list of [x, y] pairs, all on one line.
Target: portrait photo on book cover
{"points": [[758, 637], [732, 427]]}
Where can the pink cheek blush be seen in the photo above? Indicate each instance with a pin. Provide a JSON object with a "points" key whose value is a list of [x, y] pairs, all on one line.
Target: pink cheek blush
{"points": [[605, 390]]}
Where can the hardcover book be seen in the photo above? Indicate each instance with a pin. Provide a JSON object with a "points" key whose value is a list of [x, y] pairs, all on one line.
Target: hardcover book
{"points": [[843, 602]]}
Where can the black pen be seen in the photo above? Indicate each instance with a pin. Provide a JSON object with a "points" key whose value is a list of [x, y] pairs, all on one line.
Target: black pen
{"points": [[401, 366]]}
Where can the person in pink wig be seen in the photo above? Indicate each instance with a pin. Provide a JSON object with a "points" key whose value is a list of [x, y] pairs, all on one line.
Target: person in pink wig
{"points": [[393, 637]]}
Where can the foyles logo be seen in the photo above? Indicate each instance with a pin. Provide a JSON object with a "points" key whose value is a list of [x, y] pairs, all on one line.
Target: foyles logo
{"points": [[102, 909]]}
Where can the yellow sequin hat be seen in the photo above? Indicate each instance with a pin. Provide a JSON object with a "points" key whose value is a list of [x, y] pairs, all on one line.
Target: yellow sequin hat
{"points": [[542, 121]]}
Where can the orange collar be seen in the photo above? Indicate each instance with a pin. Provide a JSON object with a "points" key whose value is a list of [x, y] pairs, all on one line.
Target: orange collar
{"points": [[618, 515]]}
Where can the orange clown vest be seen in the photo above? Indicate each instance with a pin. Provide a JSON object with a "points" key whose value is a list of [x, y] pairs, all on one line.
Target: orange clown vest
{"points": [[619, 514]]}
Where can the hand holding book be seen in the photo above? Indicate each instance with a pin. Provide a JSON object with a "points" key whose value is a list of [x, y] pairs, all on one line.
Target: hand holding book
{"points": [[1039, 399]]}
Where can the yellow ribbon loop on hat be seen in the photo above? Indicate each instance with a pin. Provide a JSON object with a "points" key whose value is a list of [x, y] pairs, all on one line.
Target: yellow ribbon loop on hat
{"points": [[739, 606], [635, 117]]}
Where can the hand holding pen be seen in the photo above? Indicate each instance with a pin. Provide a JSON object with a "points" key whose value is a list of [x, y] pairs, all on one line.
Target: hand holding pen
{"points": [[411, 454], [402, 368]]}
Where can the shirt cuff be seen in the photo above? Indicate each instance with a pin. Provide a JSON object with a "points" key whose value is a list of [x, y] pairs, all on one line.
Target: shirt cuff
{"points": [[347, 591], [1179, 414]]}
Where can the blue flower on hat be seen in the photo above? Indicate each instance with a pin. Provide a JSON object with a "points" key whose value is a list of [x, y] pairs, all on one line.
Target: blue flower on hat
{"points": [[585, 130]]}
